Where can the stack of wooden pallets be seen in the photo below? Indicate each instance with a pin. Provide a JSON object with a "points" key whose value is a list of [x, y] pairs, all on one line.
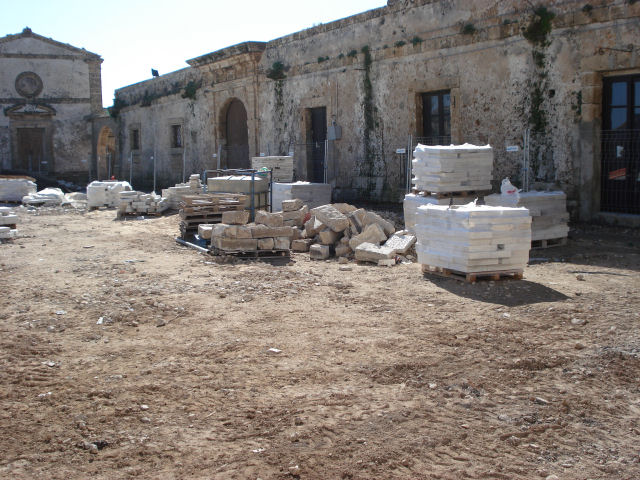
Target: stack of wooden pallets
{"points": [[207, 209]]}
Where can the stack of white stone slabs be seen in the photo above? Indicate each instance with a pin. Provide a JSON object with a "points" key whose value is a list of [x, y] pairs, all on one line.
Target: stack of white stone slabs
{"points": [[13, 189], [456, 168], [312, 194], [8, 223], [547, 209], [473, 238], [412, 201], [106, 194], [141, 203], [281, 167], [242, 184]]}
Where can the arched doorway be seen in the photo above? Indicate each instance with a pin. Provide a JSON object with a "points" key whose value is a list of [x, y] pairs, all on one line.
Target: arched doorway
{"points": [[106, 154], [237, 134]]}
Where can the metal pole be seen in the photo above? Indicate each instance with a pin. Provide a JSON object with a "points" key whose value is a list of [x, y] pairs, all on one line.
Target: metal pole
{"points": [[153, 158], [109, 165], [184, 163], [326, 153], [131, 169], [253, 206]]}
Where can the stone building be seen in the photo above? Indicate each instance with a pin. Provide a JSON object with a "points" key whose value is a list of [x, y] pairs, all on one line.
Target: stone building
{"points": [[50, 95], [349, 97]]}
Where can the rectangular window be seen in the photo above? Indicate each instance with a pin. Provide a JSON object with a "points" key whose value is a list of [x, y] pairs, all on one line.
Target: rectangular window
{"points": [[135, 139], [176, 136], [436, 118]]}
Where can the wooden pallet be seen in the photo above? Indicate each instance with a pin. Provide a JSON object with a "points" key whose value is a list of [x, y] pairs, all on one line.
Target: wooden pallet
{"points": [[138, 214], [12, 226], [548, 242], [253, 254], [472, 277], [439, 195], [213, 199], [11, 202]]}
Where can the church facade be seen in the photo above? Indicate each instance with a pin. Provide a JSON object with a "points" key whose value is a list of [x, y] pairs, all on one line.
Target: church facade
{"points": [[50, 97]]}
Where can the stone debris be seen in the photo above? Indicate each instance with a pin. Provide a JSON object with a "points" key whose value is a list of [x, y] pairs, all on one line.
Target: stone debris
{"points": [[401, 243], [175, 195], [372, 233], [548, 212], [369, 252], [331, 217], [269, 219], [235, 217], [134, 202], [319, 252], [473, 238], [455, 168], [301, 245], [106, 194], [14, 189]]}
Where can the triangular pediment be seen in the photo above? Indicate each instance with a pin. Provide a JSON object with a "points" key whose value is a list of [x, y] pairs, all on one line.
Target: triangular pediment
{"points": [[29, 43], [30, 109]]}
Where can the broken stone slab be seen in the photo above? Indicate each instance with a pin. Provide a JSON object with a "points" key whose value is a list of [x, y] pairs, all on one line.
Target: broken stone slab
{"points": [[372, 233], [235, 217], [292, 205], [343, 250], [204, 231], [356, 220], [401, 244], [313, 226], [301, 245], [319, 252], [386, 262], [263, 231], [344, 208], [372, 217], [282, 243], [328, 236], [265, 243], [331, 217], [269, 219], [368, 252], [235, 244]]}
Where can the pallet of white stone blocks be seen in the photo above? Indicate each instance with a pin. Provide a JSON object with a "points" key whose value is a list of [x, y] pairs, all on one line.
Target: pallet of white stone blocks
{"points": [[455, 168], [471, 277]]}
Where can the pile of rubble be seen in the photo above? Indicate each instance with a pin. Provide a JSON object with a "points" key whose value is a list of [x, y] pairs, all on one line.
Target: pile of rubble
{"points": [[346, 231], [140, 203], [175, 195], [8, 223]]}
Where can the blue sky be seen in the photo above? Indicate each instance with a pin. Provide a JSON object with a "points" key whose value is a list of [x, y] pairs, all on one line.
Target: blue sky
{"points": [[136, 35]]}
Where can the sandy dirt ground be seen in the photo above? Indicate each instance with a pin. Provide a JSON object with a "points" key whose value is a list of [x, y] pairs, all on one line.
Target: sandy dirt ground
{"points": [[126, 355]]}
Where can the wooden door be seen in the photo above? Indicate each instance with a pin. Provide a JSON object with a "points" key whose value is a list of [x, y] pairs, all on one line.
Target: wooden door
{"points": [[31, 150], [237, 136], [318, 136]]}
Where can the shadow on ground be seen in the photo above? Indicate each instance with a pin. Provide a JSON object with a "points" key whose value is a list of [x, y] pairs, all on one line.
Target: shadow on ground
{"points": [[510, 293]]}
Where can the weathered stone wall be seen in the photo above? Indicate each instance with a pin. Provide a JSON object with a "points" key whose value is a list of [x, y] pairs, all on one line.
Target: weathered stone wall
{"points": [[509, 67]]}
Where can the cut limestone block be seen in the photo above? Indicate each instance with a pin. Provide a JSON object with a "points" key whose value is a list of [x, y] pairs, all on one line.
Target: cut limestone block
{"points": [[400, 243], [263, 231], [8, 219], [331, 217], [343, 250], [296, 217], [301, 245], [313, 226], [235, 217], [266, 244], [269, 219], [319, 252], [292, 205], [344, 208], [328, 236], [6, 233], [204, 231], [282, 243], [243, 231], [368, 252], [372, 234], [356, 220], [371, 217], [235, 244], [386, 262], [14, 189]]}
